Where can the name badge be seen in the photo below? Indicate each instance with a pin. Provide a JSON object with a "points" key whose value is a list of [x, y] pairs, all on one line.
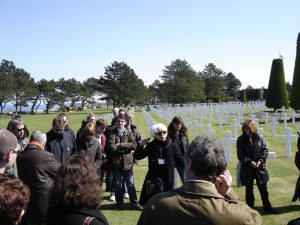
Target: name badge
{"points": [[161, 161]]}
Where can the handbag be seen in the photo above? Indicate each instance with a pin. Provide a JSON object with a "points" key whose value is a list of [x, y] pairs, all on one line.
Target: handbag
{"points": [[154, 186], [262, 174]]}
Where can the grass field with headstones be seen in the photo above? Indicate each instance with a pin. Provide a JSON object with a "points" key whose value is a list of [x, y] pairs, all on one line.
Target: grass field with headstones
{"points": [[282, 170]]}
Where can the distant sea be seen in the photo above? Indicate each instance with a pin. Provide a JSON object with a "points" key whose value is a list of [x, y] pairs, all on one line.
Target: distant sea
{"points": [[11, 108]]}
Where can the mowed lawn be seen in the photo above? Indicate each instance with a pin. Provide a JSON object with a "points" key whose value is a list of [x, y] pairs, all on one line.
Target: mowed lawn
{"points": [[283, 172]]}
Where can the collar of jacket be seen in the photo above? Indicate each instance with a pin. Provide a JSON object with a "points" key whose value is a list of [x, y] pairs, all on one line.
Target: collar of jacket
{"points": [[90, 212], [37, 144], [199, 189]]}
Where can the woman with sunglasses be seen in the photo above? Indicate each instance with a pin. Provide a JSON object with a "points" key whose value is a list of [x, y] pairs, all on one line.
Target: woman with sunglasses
{"points": [[162, 154]]}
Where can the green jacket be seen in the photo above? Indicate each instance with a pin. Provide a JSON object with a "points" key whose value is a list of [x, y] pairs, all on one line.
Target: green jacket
{"points": [[197, 203]]}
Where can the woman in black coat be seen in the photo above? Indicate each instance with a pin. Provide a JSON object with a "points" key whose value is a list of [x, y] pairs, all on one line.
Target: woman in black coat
{"points": [[178, 133], [88, 145], [252, 152], [76, 195], [162, 154], [297, 163]]}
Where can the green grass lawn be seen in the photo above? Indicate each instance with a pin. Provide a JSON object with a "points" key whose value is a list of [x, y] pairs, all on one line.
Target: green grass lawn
{"points": [[283, 172]]}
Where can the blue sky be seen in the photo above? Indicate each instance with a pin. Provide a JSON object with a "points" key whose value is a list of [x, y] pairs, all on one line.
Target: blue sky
{"points": [[76, 39]]}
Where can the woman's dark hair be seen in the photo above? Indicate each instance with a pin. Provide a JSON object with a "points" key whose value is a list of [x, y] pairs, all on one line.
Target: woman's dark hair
{"points": [[178, 120], [14, 197], [77, 184]]}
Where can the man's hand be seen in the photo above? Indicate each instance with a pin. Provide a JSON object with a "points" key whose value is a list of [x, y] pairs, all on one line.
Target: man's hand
{"points": [[223, 183]]}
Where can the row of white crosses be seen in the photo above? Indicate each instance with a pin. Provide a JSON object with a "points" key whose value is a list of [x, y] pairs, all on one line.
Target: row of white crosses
{"points": [[206, 112]]}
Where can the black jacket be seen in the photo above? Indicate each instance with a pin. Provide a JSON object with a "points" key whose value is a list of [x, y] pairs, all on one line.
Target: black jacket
{"points": [[37, 168], [61, 145], [75, 217], [90, 148], [297, 163], [247, 153], [170, 153]]}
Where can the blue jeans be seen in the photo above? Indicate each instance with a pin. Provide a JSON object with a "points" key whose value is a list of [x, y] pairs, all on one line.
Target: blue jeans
{"points": [[119, 176]]}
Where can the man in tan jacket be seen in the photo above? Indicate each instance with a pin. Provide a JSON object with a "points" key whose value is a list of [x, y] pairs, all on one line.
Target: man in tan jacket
{"points": [[205, 197]]}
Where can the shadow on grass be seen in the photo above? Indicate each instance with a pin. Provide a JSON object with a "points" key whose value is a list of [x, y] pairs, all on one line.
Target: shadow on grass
{"points": [[280, 209], [113, 206]]}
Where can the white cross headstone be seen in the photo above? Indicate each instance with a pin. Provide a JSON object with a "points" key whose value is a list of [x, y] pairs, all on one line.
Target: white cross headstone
{"points": [[288, 141], [285, 118], [235, 126], [266, 117], [196, 127], [274, 124], [283, 109], [260, 131], [239, 117], [209, 131], [228, 140], [293, 117], [220, 123]]}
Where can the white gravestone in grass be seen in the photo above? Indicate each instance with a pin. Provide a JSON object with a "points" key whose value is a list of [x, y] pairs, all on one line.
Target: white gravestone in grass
{"points": [[288, 141], [220, 123], [260, 131], [227, 141], [266, 118], [274, 124], [235, 126], [239, 117], [285, 118], [209, 131], [196, 128], [294, 115]]}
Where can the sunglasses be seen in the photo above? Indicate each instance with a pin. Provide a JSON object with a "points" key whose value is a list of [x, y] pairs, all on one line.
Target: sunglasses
{"points": [[20, 129], [161, 132]]}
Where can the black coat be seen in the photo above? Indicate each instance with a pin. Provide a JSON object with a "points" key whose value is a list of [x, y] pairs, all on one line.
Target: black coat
{"points": [[247, 153], [297, 163], [181, 140], [37, 169], [90, 148], [61, 145], [155, 150], [75, 217]]}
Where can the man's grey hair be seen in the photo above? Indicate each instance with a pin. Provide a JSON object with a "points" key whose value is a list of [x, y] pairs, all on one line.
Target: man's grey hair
{"points": [[38, 136], [207, 158], [8, 142], [14, 123]]}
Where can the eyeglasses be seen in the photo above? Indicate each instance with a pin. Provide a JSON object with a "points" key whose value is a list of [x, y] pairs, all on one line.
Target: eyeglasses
{"points": [[20, 129], [161, 132]]}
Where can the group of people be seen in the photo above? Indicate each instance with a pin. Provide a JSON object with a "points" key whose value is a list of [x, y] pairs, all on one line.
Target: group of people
{"points": [[57, 176]]}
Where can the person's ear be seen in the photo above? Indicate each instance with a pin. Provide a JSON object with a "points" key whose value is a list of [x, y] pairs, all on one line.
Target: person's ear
{"points": [[9, 156]]}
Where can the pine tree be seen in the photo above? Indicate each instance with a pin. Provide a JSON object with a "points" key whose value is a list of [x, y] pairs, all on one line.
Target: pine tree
{"points": [[295, 96], [277, 95]]}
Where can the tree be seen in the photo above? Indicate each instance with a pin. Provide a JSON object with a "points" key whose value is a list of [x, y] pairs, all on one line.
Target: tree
{"points": [[120, 84], [50, 93], [295, 96], [7, 69], [277, 95], [180, 83], [232, 85], [213, 78], [87, 90], [22, 87]]}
